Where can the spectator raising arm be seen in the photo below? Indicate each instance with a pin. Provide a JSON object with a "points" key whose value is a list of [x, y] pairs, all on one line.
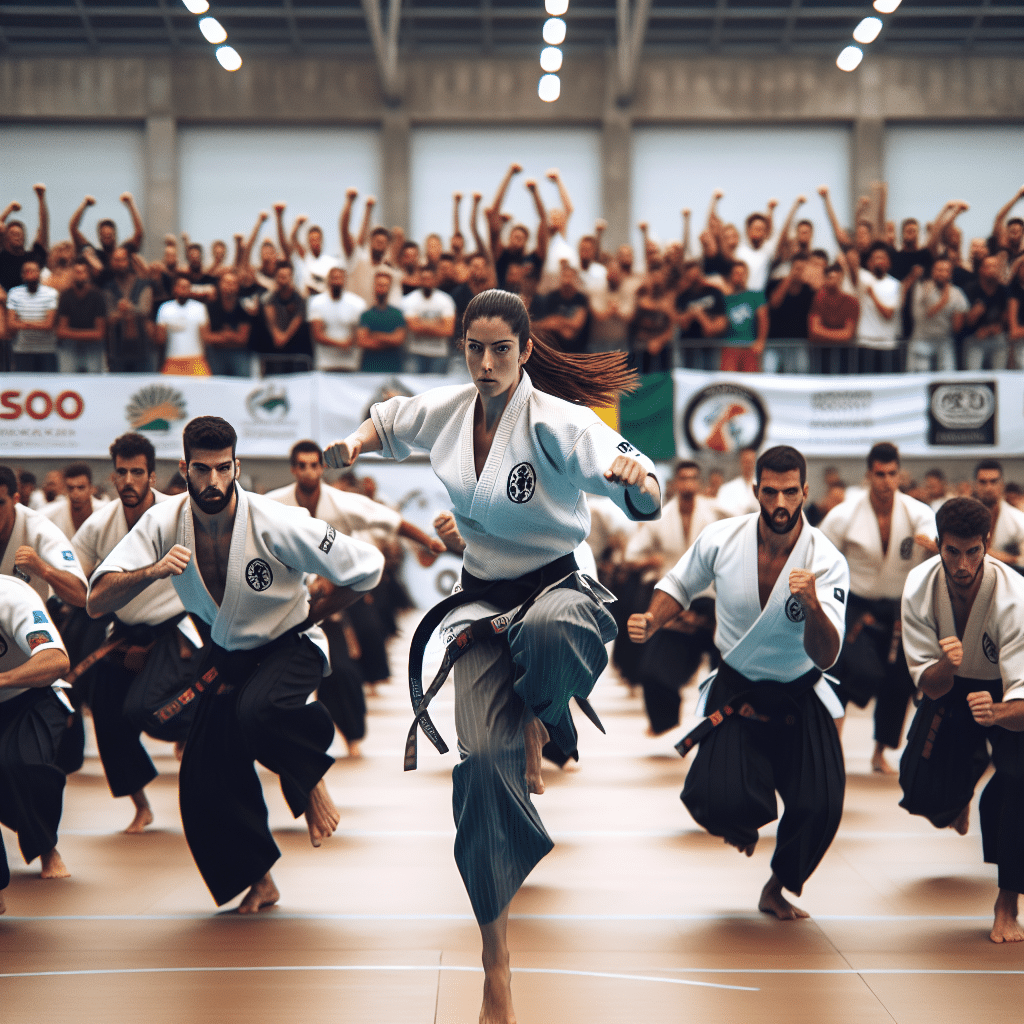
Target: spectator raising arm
{"points": [[843, 240], [253, 235], [282, 238], [567, 207], [495, 220], [782, 245], [543, 232], [999, 226], [43, 232], [294, 245], [474, 226], [134, 243], [348, 245], [74, 226], [686, 236]]}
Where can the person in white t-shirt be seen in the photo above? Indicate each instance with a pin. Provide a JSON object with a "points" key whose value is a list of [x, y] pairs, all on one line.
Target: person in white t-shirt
{"points": [[758, 248], [312, 264], [430, 318], [177, 327], [879, 294], [333, 319], [939, 308]]}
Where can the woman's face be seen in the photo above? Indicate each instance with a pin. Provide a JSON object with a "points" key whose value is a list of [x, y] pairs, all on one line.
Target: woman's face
{"points": [[493, 357]]}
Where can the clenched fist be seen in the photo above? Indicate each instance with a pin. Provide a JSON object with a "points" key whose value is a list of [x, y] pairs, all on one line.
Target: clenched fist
{"points": [[639, 627], [952, 650], [802, 585], [174, 563], [342, 453], [981, 705]]}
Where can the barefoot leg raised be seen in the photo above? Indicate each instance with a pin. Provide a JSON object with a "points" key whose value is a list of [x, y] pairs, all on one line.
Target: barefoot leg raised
{"points": [[497, 1004], [322, 815]]}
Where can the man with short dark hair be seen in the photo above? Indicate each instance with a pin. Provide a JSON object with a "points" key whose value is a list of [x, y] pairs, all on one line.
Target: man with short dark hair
{"points": [[129, 305], [239, 560], [82, 323], [936, 487], [13, 254], [333, 318], [938, 308], [179, 324], [106, 233], [1006, 531], [365, 263], [985, 345], [962, 635], [430, 319], [789, 304], [747, 313], [567, 312], [382, 330], [78, 502], [203, 285], [832, 325], [284, 310], [770, 723], [879, 324], [226, 335], [700, 314], [31, 317], [883, 534]]}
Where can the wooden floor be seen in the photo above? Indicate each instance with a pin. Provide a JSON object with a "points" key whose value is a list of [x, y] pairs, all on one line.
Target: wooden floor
{"points": [[636, 916]]}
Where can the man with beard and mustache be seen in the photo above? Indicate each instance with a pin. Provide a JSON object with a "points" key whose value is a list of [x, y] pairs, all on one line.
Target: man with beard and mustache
{"points": [[1006, 536], [781, 589], [883, 534], [961, 614], [238, 561], [352, 515], [430, 319], [333, 319], [156, 641]]}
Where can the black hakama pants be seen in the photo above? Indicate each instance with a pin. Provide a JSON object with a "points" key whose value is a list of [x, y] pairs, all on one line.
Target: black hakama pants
{"points": [[342, 691], [371, 632], [31, 784], [947, 754], [731, 786], [253, 708], [874, 666]]}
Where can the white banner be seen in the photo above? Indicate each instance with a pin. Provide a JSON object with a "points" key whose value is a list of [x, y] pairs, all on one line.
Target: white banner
{"points": [[971, 414], [77, 416]]}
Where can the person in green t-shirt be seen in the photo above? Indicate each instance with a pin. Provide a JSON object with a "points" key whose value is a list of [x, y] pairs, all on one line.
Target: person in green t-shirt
{"points": [[381, 331], [747, 313]]}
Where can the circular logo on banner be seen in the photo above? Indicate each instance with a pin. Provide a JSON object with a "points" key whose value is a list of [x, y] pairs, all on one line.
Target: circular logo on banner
{"points": [[258, 575], [522, 482], [794, 609], [963, 406], [906, 548], [989, 648], [155, 407], [724, 418]]}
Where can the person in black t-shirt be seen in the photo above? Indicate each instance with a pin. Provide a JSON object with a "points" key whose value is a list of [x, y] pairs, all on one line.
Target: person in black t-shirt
{"points": [[1015, 316], [226, 337], [285, 314], [250, 298], [788, 307], [514, 250], [700, 314], [13, 254], [81, 323], [106, 232], [566, 312], [204, 285], [479, 280], [986, 339]]}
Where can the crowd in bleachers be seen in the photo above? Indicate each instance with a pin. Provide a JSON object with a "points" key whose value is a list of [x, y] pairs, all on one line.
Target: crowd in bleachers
{"points": [[764, 297]]}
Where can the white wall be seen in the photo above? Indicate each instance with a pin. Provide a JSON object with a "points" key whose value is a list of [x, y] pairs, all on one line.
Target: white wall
{"points": [[927, 166], [447, 160], [680, 167], [72, 161], [227, 175]]}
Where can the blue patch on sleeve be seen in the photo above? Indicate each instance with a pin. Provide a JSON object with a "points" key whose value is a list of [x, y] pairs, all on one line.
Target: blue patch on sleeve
{"points": [[69, 556], [39, 617]]}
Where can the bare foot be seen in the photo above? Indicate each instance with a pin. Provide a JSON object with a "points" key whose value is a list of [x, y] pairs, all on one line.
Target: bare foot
{"points": [[322, 816], [497, 1005], [1006, 928], [353, 748], [3, 906], [773, 902], [263, 894], [879, 763], [143, 814], [534, 736], [53, 866], [747, 848], [179, 749], [963, 821]]}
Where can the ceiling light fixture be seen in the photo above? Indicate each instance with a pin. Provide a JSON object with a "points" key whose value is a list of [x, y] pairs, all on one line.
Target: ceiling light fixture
{"points": [[549, 88], [551, 58], [196, 6], [556, 8], [886, 6], [228, 58], [849, 58], [212, 30], [554, 32], [867, 31]]}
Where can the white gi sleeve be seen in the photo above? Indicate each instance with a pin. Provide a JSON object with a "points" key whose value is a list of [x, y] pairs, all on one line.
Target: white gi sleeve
{"points": [[146, 543], [311, 545], [833, 588], [52, 546], [923, 519], [920, 629], [24, 618], [836, 523], [1011, 642], [407, 424], [596, 448], [364, 513], [85, 547], [695, 571]]}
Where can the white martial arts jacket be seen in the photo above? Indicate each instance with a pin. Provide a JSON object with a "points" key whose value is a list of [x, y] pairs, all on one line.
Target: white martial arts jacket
{"points": [[852, 526], [99, 535], [59, 513], [993, 640], [35, 530], [668, 536], [528, 506], [736, 498], [352, 514], [25, 629], [1008, 533], [761, 644], [272, 548]]}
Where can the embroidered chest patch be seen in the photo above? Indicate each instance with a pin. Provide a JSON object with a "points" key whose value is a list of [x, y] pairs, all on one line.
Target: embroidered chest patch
{"points": [[258, 575], [522, 483], [989, 648], [794, 610], [906, 548]]}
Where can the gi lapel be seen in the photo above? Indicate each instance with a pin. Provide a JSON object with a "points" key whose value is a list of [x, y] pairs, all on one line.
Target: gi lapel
{"points": [[484, 489], [977, 663]]}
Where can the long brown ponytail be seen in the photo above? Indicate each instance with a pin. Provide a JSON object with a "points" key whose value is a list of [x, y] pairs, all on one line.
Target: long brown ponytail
{"points": [[593, 379]]}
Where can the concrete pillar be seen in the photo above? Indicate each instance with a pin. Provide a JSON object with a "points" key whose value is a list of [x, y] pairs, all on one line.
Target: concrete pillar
{"points": [[867, 146], [395, 177], [617, 174], [160, 211]]}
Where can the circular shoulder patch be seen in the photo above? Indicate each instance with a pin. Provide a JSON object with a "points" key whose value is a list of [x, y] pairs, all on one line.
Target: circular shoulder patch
{"points": [[906, 548], [258, 574], [522, 482], [990, 649], [794, 609]]}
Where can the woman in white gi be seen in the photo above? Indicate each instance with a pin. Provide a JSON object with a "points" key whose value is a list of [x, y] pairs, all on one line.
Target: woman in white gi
{"points": [[781, 590], [516, 450], [962, 632]]}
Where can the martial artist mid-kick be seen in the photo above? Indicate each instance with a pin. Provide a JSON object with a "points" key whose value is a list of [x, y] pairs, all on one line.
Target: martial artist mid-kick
{"points": [[782, 587], [883, 534], [32, 719], [962, 633], [515, 460], [238, 562], [154, 658]]}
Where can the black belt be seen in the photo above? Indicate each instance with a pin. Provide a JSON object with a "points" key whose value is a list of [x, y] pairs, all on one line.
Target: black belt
{"points": [[739, 704], [505, 594]]}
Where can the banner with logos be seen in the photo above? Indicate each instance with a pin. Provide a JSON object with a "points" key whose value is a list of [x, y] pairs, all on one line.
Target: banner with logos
{"points": [[77, 416]]}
